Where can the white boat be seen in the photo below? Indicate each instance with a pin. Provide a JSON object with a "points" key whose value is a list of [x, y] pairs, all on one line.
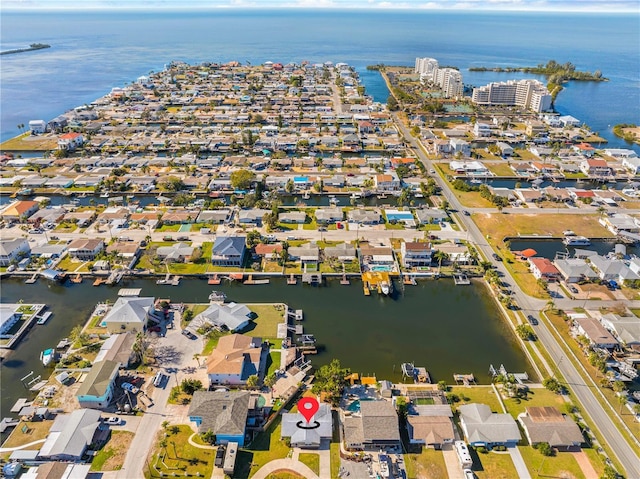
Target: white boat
{"points": [[217, 296], [44, 318], [385, 287], [47, 356], [407, 369], [576, 241], [333, 200]]}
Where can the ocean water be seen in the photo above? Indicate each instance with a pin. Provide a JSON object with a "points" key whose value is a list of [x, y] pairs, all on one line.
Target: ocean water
{"points": [[94, 51]]}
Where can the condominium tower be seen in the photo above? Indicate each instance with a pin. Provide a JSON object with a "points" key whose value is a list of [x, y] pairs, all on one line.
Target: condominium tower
{"points": [[448, 79], [530, 94]]}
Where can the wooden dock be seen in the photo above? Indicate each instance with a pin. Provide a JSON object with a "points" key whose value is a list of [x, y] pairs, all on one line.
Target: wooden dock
{"points": [[77, 279], [99, 281], [32, 280], [409, 280], [251, 281], [374, 280], [465, 379], [215, 279], [292, 280], [367, 291], [345, 281], [312, 278]]}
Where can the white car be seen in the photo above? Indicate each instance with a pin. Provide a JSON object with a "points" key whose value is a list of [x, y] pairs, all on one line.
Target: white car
{"points": [[468, 474], [114, 421]]}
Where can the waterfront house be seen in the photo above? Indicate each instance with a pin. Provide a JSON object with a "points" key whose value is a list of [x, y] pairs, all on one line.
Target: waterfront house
{"points": [[574, 270], [469, 168], [595, 332], [9, 315], [505, 148], [130, 314], [231, 316], [119, 348], [306, 253], [430, 425], [50, 214], [329, 215], [228, 251], [342, 252], [482, 427], [612, 269], [216, 217], [415, 254], [544, 269], [547, 424], [85, 249], [127, 250], [269, 252], [595, 167], [223, 413], [19, 210], [459, 146], [618, 222], [387, 182], [235, 358], [177, 252], [98, 388], [70, 141], [626, 329], [376, 428], [252, 216], [308, 438], [175, 217], [37, 127], [72, 434], [12, 250]]}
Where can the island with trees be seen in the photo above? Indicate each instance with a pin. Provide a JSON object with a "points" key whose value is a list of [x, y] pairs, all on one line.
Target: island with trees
{"points": [[556, 72], [31, 48], [628, 132]]}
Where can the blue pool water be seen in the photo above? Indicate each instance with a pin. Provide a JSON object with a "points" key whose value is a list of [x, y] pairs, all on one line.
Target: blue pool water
{"points": [[399, 216], [380, 268]]}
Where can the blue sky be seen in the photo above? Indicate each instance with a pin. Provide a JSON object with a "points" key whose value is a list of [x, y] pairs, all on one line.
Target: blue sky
{"points": [[534, 5]]}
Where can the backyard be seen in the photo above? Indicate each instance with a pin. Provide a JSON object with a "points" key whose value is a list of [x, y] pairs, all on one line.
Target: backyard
{"points": [[174, 455]]}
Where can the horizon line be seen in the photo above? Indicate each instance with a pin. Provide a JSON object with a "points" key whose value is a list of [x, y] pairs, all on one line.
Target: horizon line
{"points": [[593, 9]]}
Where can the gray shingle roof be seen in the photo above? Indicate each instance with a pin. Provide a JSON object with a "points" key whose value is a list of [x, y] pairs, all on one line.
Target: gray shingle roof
{"points": [[222, 412], [379, 421], [483, 426]]}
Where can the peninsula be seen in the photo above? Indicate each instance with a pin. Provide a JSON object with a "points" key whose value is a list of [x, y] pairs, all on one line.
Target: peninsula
{"points": [[556, 72], [32, 47]]}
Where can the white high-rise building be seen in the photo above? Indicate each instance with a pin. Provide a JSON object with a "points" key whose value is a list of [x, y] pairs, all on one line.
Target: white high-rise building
{"points": [[450, 80], [426, 68], [530, 94]]}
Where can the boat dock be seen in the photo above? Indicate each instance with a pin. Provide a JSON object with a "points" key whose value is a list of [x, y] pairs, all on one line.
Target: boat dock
{"points": [[169, 280], [465, 379], [292, 280], [409, 280], [44, 318], [461, 279], [372, 280], [32, 280], [296, 315], [77, 279], [345, 281], [312, 278], [215, 279], [115, 276], [129, 292], [421, 375], [8, 423], [99, 281], [251, 281]]}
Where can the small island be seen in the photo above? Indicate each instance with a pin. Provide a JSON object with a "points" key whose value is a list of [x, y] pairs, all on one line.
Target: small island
{"points": [[557, 72], [32, 47], [628, 132]]}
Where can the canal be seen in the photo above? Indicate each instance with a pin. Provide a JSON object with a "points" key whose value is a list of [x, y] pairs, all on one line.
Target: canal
{"points": [[445, 328]]}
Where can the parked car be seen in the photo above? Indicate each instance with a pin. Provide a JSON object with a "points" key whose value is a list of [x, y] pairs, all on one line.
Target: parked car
{"points": [[183, 238], [188, 334], [573, 289], [114, 421]]}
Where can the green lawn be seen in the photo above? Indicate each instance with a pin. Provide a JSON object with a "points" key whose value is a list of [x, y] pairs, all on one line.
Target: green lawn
{"points": [[428, 464], [311, 460], [189, 268], [179, 457], [494, 465], [207, 249], [273, 361], [563, 464], [266, 447], [535, 397], [266, 323], [477, 394], [112, 455], [212, 341]]}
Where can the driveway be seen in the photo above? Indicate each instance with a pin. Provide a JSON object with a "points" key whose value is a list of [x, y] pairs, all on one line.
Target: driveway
{"points": [[518, 461], [175, 354], [289, 464]]}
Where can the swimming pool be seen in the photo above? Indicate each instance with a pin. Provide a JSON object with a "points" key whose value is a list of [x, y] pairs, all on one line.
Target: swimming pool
{"points": [[355, 405], [380, 267]]}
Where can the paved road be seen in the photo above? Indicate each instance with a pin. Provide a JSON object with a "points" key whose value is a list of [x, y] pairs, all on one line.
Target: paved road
{"points": [[583, 392], [177, 351]]}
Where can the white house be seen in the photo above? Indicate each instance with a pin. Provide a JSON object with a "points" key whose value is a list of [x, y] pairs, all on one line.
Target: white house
{"points": [[12, 250], [37, 127], [70, 141]]}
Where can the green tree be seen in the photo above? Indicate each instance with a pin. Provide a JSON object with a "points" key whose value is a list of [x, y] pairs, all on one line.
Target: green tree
{"points": [[442, 386], [330, 380], [270, 380], [173, 184], [544, 448], [252, 381], [189, 386], [525, 332], [187, 315], [242, 179], [209, 437], [289, 187], [253, 238], [552, 385]]}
